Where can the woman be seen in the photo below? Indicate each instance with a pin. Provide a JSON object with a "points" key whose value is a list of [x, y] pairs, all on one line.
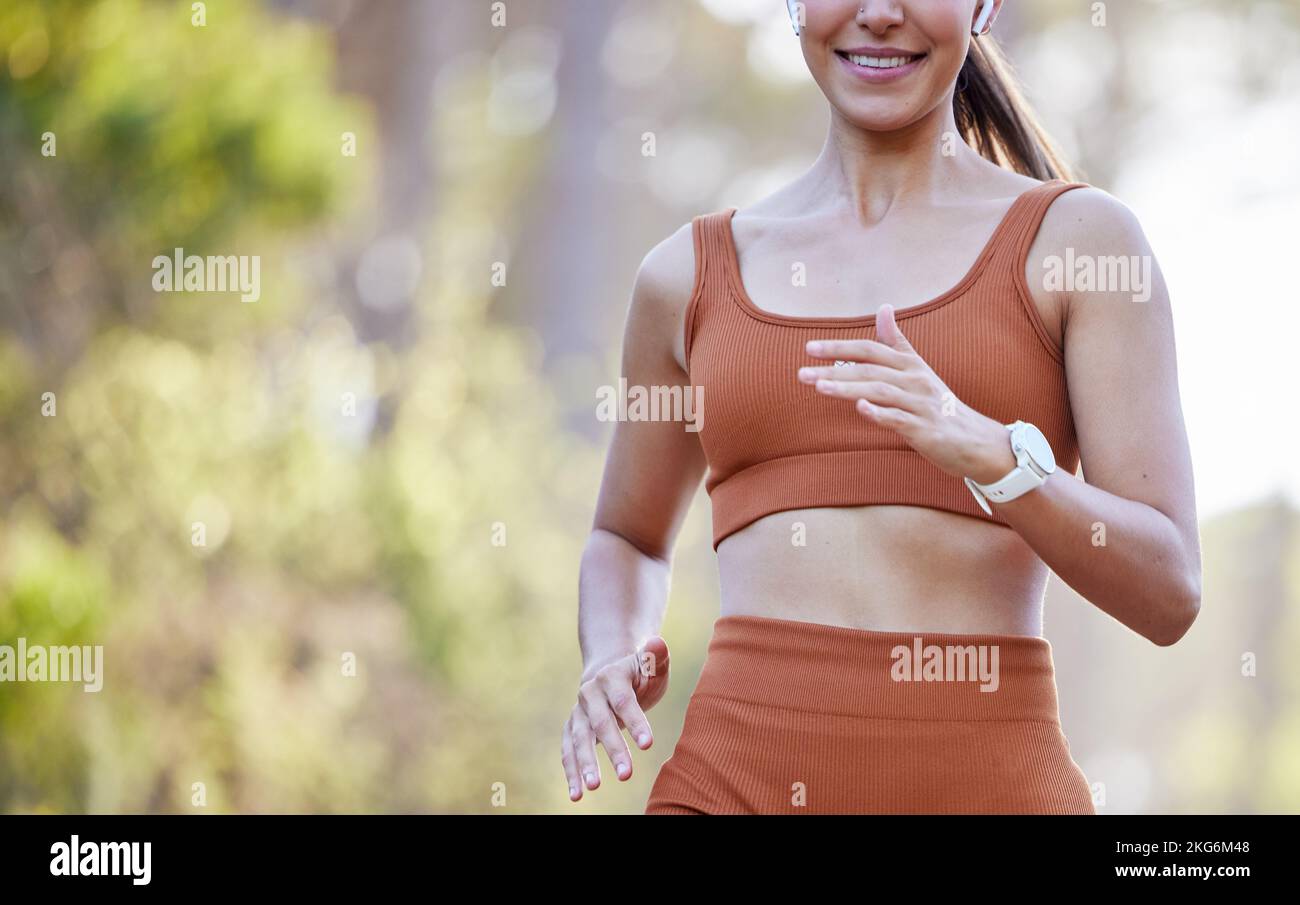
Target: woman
{"points": [[904, 357]]}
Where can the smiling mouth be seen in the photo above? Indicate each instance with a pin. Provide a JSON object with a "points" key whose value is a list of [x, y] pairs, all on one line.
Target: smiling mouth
{"points": [[877, 62]]}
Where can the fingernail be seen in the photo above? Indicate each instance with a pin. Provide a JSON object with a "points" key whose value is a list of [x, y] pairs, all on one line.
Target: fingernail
{"points": [[573, 793], [643, 739], [814, 348], [591, 780], [624, 770]]}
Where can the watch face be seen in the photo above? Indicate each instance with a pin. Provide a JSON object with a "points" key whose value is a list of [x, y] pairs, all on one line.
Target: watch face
{"points": [[1039, 449]]}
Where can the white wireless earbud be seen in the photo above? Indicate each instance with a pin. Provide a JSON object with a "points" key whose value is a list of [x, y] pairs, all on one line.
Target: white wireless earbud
{"points": [[791, 6], [981, 26]]}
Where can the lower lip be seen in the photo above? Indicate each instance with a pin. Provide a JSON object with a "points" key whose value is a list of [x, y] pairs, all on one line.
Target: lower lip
{"points": [[879, 76]]}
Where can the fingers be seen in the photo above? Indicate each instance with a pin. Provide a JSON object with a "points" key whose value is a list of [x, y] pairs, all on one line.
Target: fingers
{"points": [[811, 374], [652, 662], [887, 330], [608, 702], [874, 391], [595, 700], [570, 762], [895, 419], [863, 350], [623, 700], [584, 749]]}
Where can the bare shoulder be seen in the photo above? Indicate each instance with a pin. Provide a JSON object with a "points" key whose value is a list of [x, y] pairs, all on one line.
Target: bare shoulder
{"points": [[1091, 221], [666, 276], [661, 292], [1090, 228]]}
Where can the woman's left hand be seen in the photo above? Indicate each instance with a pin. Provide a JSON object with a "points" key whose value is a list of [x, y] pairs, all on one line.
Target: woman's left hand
{"points": [[891, 385]]}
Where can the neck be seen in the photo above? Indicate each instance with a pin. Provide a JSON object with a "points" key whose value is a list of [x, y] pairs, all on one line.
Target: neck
{"points": [[871, 171]]}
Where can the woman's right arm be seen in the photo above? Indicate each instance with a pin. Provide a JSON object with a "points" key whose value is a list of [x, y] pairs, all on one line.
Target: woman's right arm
{"points": [[651, 474]]}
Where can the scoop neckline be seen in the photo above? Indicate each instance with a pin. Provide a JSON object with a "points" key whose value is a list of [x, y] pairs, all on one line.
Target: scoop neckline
{"points": [[742, 295]]}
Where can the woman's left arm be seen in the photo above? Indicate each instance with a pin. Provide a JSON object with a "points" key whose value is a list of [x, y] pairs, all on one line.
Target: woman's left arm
{"points": [[1139, 499], [1127, 539]]}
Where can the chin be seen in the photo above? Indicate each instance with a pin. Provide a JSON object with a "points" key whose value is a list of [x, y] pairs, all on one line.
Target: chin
{"points": [[881, 116], [880, 109]]}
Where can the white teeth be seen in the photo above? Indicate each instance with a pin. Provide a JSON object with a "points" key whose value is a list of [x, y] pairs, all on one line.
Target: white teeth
{"points": [[879, 62]]}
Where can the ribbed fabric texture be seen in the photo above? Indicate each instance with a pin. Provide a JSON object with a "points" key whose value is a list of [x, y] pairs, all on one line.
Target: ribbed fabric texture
{"points": [[773, 443], [794, 717]]}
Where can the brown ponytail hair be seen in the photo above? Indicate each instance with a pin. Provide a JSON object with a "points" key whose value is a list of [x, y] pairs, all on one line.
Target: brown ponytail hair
{"points": [[995, 120]]}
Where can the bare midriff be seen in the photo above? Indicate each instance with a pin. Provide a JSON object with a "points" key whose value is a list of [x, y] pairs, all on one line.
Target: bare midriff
{"points": [[884, 568]]}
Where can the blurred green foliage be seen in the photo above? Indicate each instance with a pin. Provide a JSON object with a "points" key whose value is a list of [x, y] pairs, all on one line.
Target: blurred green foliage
{"points": [[224, 662]]}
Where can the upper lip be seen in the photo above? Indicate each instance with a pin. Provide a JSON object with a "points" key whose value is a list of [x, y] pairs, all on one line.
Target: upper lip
{"points": [[879, 52]]}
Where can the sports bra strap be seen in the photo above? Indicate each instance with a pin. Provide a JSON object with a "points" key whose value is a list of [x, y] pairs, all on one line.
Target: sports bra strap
{"points": [[1024, 220], [713, 263]]}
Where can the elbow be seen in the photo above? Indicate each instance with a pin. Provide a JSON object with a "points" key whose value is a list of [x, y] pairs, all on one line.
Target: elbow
{"points": [[1181, 613], [656, 553]]}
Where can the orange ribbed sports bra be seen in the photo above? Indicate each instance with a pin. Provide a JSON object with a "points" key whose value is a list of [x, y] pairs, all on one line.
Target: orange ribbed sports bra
{"points": [[773, 443]]}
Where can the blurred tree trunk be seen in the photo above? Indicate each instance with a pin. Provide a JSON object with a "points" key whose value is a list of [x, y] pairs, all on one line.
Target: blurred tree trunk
{"points": [[565, 259], [390, 53]]}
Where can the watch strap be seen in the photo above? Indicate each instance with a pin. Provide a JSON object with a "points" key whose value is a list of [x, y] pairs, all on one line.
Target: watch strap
{"points": [[1021, 480]]}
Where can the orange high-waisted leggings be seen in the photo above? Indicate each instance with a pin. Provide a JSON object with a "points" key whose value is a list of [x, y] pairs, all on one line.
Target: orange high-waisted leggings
{"points": [[797, 717]]}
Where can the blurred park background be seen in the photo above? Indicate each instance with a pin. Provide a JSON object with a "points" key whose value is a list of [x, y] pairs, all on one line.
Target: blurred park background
{"points": [[394, 450]]}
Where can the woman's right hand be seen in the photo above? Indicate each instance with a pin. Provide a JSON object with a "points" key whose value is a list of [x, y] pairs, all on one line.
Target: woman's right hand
{"points": [[613, 696]]}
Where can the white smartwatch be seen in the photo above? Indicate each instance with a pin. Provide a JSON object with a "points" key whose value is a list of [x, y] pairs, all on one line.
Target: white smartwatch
{"points": [[1034, 462]]}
